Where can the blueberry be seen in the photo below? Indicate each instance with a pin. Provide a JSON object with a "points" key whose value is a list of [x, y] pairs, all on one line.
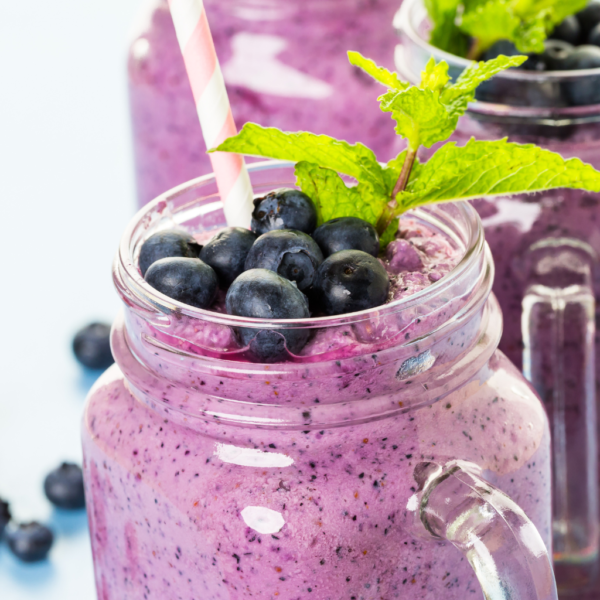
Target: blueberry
{"points": [[506, 48], [588, 18], [292, 254], [584, 90], [555, 55], [165, 244], [226, 253], [594, 37], [30, 542], [567, 31], [351, 280], [188, 280], [284, 208], [5, 515], [262, 294], [347, 233], [64, 486], [91, 346]]}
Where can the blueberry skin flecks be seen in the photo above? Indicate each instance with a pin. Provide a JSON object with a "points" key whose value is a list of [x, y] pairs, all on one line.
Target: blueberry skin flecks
{"points": [[226, 253], [166, 244], [292, 254], [350, 281], [30, 542], [263, 294], [64, 487], [188, 280], [5, 515], [347, 233], [91, 346], [284, 208]]}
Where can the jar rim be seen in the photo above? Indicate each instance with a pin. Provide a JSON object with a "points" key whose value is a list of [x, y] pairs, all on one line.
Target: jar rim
{"points": [[412, 14], [132, 285]]}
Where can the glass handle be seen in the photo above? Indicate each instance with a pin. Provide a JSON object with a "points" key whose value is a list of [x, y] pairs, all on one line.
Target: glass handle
{"points": [[502, 545], [558, 359]]}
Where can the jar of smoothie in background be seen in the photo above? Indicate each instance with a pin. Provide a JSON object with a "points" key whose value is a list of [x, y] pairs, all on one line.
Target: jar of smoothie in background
{"points": [[361, 467], [285, 66], [545, 248]]}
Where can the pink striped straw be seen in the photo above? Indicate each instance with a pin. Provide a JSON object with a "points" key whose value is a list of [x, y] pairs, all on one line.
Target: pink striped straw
{"points": [[212, 103]]}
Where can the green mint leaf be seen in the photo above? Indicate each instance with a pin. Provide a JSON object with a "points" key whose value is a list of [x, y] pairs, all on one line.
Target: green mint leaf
{"points": [[490, 22], [334, 198], [380, 74], [456, 97], [481, 169], [445, 34], [435, 76], [355, 160]]}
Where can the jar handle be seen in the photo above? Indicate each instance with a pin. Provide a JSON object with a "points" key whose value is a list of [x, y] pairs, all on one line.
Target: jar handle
{"points": [[502, 545], [558, 326]]}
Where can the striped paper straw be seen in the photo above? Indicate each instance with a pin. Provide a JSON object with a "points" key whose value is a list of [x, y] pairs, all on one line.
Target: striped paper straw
{"points": [[212, 103]]}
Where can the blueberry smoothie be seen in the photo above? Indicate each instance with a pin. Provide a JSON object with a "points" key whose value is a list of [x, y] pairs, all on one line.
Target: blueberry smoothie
{"points": [[210, 474], [285, 66]]}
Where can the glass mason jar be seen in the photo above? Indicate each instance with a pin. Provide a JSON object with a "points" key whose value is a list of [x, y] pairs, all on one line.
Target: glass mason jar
{"points": [[341, 473], [545, 247], [285, 66]]}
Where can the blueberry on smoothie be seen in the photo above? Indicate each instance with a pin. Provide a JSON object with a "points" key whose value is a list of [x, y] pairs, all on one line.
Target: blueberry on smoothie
{"points": [[284, 208], [64, 486], [188, 280], [292, 254], [594, 37], [5, 515], [166, 244], [581, 92], [30, 542], [555, 55], [226, 253], [347, 233], [588, 18], [507, 48], [263, 294], [91, 346], [351, 280], [568, 31]]}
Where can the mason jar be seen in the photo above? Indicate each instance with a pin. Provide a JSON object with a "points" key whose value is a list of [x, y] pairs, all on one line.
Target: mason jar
{"points": [[285, 66], [545, 248], [399, 455]]}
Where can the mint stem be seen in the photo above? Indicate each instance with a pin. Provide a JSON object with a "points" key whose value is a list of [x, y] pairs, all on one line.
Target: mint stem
{"points": [[474, 50], [388, 214]]}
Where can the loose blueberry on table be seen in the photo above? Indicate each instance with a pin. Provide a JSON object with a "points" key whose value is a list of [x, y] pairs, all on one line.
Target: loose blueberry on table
{"points": [[91, 346], [64, 486], [5, 515], [30, 542]]}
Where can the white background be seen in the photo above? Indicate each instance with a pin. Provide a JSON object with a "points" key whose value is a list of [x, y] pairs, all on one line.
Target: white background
{"points": [[66, 194]]}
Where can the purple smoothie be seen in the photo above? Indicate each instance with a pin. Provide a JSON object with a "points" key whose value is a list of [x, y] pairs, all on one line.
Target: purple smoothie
{"points": [[285, 66], [212, 477]]}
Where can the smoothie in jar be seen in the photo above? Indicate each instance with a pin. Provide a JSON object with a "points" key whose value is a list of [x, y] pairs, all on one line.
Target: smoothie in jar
{"points": [[284, 65], [209, 476]]}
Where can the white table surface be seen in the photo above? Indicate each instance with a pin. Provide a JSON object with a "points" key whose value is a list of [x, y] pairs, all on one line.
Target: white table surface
{"points": [[67, 192]]}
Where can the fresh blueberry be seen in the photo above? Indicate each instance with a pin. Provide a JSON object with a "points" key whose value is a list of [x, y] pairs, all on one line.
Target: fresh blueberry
{"points": [[351, 280], [347, 233], [188, 280], [30, 542], [166, 244], [64, 486], [555, 55], [588, 18], [292, 254], [5, 515], [262, 294], [506, 48], [284, 208], [594, 37], [583, 90], [91, 346], [226, 253], [567, 31]]}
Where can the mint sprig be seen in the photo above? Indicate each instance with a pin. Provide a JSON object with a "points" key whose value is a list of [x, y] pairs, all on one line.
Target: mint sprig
{"points": [[425, 115], [526, 23]]}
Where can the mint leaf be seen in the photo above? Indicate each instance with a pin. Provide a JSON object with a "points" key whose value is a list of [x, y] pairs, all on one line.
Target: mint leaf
{"points": [[333, 198], [435, 76], [491, 22], [380, 74], [494, 168], [355, 160], [445, 34]]}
